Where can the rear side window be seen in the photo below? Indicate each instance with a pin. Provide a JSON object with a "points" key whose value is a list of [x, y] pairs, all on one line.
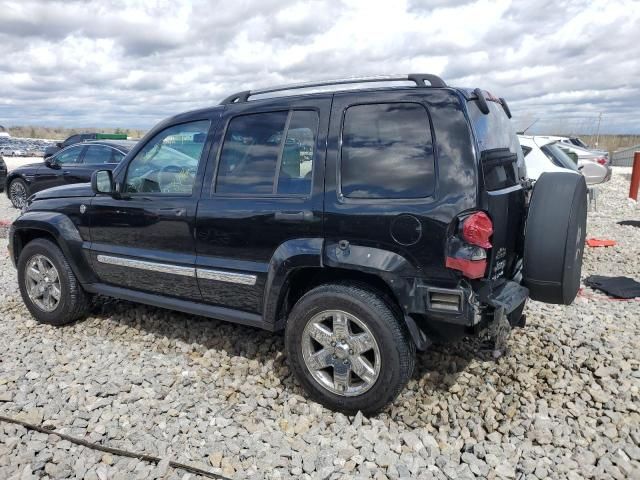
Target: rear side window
{"points": [[387, 152], [97, 154], [268, 153]]}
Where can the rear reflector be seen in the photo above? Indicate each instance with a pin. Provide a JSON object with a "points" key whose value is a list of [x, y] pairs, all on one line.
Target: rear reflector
{"points": [[602, 161], [469, 268], [477, 229]]}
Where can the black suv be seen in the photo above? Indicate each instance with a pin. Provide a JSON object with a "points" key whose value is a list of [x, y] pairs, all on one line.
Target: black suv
{"points": [[365, 223]]}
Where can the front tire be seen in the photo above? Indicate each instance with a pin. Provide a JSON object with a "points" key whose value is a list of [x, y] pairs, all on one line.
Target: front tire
{"points": [[349, 348], [18, 193], [48, 286]]}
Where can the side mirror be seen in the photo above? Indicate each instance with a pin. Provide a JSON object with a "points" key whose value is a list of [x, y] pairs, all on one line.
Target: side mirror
{"points": [[102, 182], [51, 162]]}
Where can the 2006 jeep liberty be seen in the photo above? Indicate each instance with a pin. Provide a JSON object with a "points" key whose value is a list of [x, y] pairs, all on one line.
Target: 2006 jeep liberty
{"points": [[364, 222]]}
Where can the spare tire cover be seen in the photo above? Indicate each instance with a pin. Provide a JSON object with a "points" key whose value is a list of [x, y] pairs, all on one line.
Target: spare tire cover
{"points": [[554, 237]]}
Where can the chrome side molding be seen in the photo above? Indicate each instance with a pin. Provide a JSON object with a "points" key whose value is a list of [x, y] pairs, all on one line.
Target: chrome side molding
{"points": [[200, 273]]}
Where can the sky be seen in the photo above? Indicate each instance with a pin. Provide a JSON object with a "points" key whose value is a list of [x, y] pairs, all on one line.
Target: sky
{"points": [[132, 63]]}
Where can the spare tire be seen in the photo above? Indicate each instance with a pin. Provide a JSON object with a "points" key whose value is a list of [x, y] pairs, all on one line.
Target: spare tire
{"points": [[554, 237]]}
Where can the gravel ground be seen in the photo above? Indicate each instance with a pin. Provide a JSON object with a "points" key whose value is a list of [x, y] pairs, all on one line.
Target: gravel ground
{"points": [[563, 404]]}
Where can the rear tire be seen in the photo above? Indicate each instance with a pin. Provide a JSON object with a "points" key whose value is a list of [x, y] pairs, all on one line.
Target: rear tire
{"points": [[72, 302], [374, 378], [554, 237]]}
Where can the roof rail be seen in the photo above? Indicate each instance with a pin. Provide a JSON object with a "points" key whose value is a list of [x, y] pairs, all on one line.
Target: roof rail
{"points": [[418, 78]]}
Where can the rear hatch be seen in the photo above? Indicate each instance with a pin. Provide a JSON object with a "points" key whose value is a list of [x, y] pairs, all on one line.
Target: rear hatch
{"points": [[501, 195]]}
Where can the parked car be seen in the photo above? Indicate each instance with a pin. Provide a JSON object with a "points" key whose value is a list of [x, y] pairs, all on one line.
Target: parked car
{"points": [[79, 138], [410, 227], [543, 155], [576, 141], [74, 164], [3, 174], [11, 152], [594, 166]]}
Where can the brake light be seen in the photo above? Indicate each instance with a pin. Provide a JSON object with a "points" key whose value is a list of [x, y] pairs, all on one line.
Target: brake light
{"points": [[477, 229], [602, 161]]}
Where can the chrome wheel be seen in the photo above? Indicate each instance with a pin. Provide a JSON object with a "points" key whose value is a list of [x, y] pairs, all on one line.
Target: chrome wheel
{"points": [[341, 353], [42, 283], [18, 194]]}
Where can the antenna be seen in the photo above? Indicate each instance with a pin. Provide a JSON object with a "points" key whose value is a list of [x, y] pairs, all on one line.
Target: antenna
{"points": [[531, 125]]}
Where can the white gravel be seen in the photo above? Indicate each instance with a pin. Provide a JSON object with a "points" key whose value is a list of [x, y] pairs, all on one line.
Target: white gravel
{"points": [[563, 404]]}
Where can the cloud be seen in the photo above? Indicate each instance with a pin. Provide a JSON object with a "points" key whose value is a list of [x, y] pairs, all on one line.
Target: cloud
{"points": [[131, 63]]}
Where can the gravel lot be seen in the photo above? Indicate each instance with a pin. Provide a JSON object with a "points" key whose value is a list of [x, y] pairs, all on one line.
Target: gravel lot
{"points": [[563, 404]]}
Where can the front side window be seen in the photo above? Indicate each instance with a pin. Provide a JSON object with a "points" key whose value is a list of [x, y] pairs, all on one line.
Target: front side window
{"points": [[70, 155], [259, 157], [98, 154], [168, 163], [387, 152]]}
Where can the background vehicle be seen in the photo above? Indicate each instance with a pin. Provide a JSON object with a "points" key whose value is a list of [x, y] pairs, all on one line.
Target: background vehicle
{"points": [[544, 155], [74, 164], [407, 226], [3, 174], [11, 152], [81, 137]]}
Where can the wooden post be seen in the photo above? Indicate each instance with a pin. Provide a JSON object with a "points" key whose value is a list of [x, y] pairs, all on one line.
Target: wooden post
{"points": [[635, 177]]}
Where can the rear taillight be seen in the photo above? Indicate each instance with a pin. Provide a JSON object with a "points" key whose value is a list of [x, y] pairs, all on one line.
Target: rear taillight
{"points": [[477, 229], [602, 161], [466, 251]]}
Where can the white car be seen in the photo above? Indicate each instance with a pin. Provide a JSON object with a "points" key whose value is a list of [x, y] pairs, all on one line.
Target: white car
{"points": [[594, 166], [543, 155]]}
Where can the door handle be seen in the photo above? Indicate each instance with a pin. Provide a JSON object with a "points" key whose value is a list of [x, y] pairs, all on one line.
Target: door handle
{"points": [[304, 216], [66, 172], [178, 212]]}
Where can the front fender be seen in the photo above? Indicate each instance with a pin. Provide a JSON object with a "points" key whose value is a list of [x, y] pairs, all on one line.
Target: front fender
{"points": [[64, 232]]}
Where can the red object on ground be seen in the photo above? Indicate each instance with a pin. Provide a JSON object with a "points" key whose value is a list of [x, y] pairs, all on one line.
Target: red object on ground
{"points": [[597, 242], [635, 177]]}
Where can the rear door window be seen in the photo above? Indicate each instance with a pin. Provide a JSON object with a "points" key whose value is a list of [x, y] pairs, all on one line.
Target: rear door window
{"points": [[268, 153], [387, 152], [97, 154]]}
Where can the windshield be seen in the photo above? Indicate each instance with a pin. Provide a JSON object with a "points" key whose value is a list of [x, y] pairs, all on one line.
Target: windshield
{"points": [[579, 143], [559, 157]]}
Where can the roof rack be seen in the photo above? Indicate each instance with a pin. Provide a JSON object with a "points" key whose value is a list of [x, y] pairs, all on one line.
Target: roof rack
{"points": [[418, 78]]}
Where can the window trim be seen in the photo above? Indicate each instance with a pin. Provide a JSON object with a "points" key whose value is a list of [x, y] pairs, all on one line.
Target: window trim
{"points": [[342, 198], [201, 164], [274, 194], [79, 159]]}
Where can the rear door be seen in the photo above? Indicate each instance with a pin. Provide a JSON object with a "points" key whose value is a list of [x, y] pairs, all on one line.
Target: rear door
{"points": [[501, 164], [264, 188]]}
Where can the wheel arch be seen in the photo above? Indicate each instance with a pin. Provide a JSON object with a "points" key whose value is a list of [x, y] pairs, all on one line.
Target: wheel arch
{"points": [[57, 228], [295, 271]]}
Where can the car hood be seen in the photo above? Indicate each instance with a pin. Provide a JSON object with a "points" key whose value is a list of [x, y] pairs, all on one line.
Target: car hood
{"points": [[30, 167], [66, 191]]}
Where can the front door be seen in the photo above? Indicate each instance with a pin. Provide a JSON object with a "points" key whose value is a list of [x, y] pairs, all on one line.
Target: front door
{"points": [[143, 237], [62, 163], [263, 192]]}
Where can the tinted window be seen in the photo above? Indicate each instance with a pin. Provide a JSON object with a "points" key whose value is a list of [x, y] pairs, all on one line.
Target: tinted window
{"points": [[250, 153], [526, 150], [116, 156], [296, 166], [168, 163], [495, 131], [387, 152], [69, 155], [97, 154], [558, 156]]}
